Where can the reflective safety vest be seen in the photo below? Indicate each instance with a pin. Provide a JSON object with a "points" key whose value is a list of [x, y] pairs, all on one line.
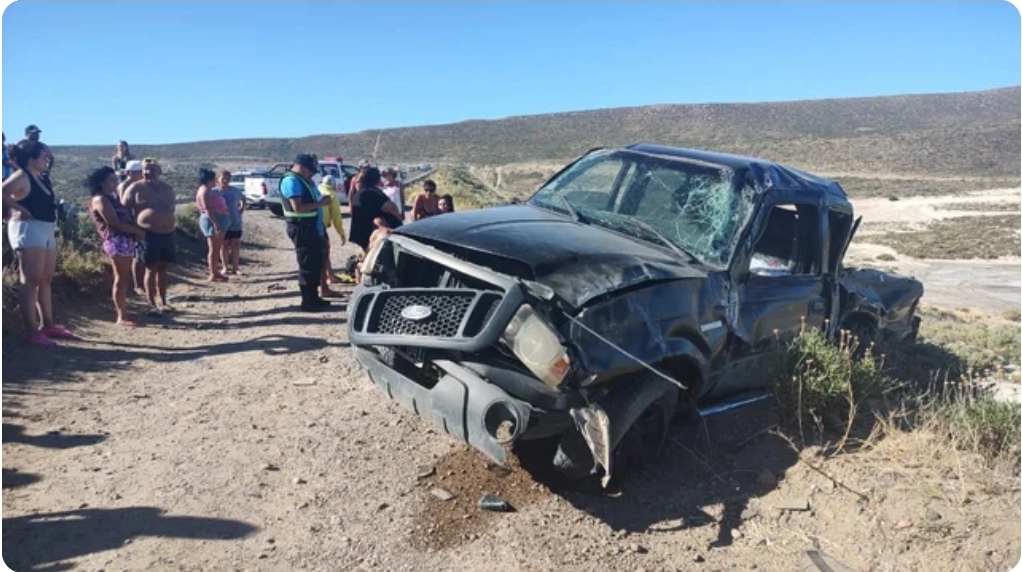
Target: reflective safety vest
{"points": [[308, 196]]}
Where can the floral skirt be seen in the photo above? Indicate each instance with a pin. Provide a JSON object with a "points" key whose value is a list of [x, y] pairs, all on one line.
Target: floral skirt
{"points": [[119, 245]]}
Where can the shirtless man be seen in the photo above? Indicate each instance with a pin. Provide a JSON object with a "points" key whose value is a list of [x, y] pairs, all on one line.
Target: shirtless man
{"points": [[133, 169], [152, 202]]}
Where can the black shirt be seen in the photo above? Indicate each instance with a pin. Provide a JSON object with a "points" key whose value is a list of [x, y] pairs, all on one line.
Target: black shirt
{"points": [[367, 204]]}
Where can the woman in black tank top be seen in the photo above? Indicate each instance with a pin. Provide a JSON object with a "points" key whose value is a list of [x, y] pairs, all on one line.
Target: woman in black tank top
{"points": [[32, 233]]}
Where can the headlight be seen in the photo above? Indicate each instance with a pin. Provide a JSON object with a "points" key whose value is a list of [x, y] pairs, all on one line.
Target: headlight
{"points": [[537, 345]]}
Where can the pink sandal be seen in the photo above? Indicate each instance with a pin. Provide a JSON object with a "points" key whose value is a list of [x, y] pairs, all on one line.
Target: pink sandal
{"points": [[58, 332], [40, 339]]}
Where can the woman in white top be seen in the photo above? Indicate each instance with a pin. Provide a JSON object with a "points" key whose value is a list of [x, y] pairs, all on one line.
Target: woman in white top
{"points": [[394, 190]]}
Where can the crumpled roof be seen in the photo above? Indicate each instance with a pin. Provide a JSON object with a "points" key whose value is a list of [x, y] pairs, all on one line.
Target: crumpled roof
{"points": [[762, 175]]}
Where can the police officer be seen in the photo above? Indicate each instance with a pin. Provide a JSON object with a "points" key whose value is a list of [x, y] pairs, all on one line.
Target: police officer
{"points": [[302, 204]]}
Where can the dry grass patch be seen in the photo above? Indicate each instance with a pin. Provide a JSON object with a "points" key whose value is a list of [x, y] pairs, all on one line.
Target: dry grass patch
{"points": [[985, 206], [894, 189], [983, 237]]}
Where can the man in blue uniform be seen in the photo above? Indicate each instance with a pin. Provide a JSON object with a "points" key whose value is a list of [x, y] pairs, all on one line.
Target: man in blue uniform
{"points": [[302, 205]]}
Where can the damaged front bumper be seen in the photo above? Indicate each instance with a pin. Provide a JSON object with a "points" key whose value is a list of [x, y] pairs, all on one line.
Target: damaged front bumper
{"points": [[461, 403]]}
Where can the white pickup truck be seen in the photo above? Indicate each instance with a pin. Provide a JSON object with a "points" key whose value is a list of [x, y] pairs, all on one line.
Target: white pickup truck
{"points": [[263, 190]]}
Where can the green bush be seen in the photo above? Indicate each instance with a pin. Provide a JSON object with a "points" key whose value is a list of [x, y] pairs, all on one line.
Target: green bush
{"points": [[990, 428], [823, 382], [188, 221]]}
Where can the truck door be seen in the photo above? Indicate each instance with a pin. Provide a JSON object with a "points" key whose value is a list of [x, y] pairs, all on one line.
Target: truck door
{"points": [[780, 291], [841, 229]]}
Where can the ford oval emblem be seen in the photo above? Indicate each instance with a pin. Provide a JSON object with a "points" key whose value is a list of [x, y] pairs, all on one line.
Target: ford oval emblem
{"points": [[416, 313]]}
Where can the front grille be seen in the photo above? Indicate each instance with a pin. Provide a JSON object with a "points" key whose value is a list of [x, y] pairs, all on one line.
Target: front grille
{"points": [[447, 311]]}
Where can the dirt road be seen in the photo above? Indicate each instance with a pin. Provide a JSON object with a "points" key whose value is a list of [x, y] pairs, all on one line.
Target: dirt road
{"points": [[241, 435]]}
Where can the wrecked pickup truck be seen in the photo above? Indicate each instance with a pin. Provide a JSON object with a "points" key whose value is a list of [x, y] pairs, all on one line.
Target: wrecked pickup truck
{"points": [[635, 281]]}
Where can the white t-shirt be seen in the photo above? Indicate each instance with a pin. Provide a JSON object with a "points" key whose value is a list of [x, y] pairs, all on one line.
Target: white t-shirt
{"points": [[394, 194]]}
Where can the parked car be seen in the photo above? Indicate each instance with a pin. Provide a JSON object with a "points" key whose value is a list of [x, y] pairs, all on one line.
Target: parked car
{"points": [[634, 280], [264, 189]]}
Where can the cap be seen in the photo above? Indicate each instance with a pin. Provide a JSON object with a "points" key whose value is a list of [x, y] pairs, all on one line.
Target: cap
{"points": [[329, 181], [363, 163], [32, 129], [133, 165], [150, 161], [306, 160]]}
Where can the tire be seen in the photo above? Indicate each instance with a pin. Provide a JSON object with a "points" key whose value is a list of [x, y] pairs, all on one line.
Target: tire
{"points": [[277, 210], [641, 444]]}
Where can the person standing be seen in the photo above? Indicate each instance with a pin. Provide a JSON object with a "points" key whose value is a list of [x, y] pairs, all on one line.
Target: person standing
{"points": [[372, 210], [331, 218], [32, 232], [133, 169], [302, 205], [121, 158], [214, 220], [117, 228], [426, 204], [9, 165], [152, 203], [235, 199], [394, 190]]}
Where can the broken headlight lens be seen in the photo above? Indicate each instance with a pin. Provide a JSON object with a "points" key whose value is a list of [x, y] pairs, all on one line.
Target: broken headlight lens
{"points": [[537, 345]]}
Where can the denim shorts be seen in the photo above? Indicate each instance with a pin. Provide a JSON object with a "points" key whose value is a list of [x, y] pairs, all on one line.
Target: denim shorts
{"points": [[32, 234], [206, 225]]}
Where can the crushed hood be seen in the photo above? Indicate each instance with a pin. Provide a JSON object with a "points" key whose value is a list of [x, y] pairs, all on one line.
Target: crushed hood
{"points": [[577, 261]]}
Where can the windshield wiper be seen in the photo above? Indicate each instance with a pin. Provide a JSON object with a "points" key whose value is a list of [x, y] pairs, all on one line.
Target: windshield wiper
{"points": [[571, 209], [662, 238]]}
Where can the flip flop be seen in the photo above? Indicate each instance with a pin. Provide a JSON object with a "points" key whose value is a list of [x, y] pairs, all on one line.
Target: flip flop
{"points": [[40, 339], [58, 332]]}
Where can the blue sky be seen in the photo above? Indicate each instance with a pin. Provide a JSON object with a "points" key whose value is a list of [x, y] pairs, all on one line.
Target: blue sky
{"points": [[163, 72]]}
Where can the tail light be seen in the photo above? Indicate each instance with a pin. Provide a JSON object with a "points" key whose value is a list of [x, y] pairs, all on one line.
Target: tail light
{"points": [[265, 191]]}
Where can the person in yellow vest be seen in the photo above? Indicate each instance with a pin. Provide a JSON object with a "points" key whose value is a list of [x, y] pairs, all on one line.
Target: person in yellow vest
{"points": [[303, 210], [331, 218]]}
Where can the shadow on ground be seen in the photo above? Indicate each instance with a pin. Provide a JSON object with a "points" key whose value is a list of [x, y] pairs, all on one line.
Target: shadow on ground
{"points": [[45, 541], [52, 440], [724, 460], [62, 364]]}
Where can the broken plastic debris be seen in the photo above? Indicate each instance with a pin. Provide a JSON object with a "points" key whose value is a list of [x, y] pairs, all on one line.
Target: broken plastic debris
{"points": [[494, 503]]}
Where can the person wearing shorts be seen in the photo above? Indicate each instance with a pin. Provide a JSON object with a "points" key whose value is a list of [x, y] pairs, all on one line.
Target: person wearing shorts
{"points": [[152, 203], [32, 231], [214, 221], [235, 199], [117, 228]]}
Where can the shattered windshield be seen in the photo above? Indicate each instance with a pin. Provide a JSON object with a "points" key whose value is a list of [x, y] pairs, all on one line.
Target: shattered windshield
{"points": [[691, 204]]}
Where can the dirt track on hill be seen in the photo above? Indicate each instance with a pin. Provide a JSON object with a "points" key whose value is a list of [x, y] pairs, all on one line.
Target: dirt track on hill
{"points": [[242, 435]]}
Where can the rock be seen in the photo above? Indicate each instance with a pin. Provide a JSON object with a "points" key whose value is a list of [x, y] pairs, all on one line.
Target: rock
{"points": [[310, 424], [442, 494], [425, 471], [270, 467], [304, 382], [494, 503], [749, 514], [698, 558], [767, 478], [383, 506], [793, 504], [638, 549], [932, 515], [270, 540], [903, 524], [298, 481], [736, 534], [324, 359]]}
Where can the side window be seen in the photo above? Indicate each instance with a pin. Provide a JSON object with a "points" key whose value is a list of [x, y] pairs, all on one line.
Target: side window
{"points": [[840, 227], [593, 188], [789, 244], [329, 170]]}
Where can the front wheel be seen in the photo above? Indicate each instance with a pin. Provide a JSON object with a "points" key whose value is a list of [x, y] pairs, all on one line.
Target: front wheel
{"points": [[642, 415]]}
